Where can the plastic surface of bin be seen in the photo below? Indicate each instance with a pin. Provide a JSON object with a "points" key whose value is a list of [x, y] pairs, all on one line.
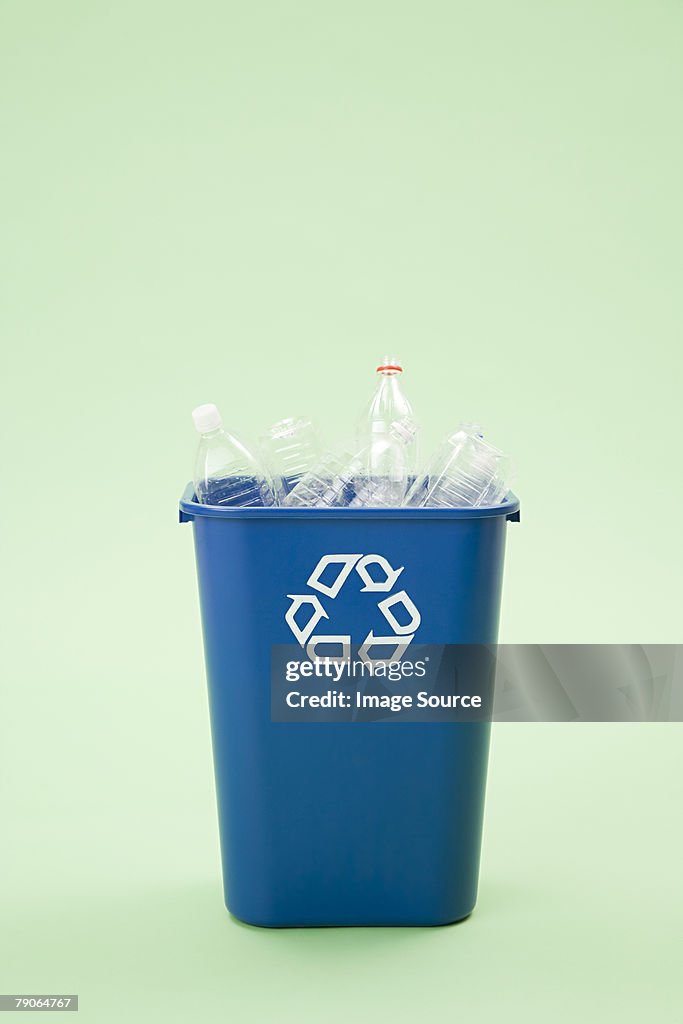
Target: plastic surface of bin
{"points": [[336, 823]]}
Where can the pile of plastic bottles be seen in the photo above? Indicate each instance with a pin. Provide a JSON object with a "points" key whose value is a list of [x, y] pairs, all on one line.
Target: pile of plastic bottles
{"points": [[379, 469]]}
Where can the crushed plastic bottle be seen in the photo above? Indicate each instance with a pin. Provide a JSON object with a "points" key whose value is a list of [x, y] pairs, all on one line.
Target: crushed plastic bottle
{"points": [[466, 471], [225, 472], [374, 477], [388, 405], [290, 450], [328, 484]]}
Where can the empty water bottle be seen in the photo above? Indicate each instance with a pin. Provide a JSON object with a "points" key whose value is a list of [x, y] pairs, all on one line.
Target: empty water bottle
{"points": [[376, 476], [384, 477], [225, 472], [388, 405], [328, 484], [290, 450], [465, 471]]}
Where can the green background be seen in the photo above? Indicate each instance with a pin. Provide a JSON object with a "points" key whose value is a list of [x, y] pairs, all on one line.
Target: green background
{"points": [[249, 203]]}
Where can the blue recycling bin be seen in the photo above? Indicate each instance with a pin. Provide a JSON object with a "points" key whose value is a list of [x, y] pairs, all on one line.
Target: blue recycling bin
{"points": [[344, 823]]}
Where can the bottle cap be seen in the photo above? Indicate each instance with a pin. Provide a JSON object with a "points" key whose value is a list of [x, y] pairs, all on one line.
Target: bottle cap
{"points": [[288, 427], [390, 365], [206, 418], [472, 428]]}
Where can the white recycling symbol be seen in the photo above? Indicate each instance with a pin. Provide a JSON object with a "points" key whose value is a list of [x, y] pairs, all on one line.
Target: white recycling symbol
{"points": [[377, 576]]}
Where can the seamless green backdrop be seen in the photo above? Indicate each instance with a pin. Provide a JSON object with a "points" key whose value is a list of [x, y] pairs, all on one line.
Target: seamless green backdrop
{"points": [[249, 204]]}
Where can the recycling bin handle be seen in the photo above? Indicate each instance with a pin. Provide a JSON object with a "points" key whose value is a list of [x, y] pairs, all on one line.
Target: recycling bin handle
{"points": [[188, 495]]}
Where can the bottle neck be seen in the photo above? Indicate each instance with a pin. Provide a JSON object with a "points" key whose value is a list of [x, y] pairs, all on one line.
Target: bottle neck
{"points": [[389, 384]]}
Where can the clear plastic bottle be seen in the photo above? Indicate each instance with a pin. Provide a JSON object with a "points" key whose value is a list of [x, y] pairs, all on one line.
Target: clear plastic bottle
{"points": [[384, 479], [376, 476], [328, 484], [225, 472], [290, 450], [465, 471], [388, 405]]}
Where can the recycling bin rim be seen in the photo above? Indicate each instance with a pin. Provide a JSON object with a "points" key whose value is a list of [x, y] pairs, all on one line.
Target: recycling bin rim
{"points": [[189, 509]]}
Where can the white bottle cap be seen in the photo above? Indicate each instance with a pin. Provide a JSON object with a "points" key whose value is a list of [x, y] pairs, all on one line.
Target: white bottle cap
{"points": [[206, 418]]}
